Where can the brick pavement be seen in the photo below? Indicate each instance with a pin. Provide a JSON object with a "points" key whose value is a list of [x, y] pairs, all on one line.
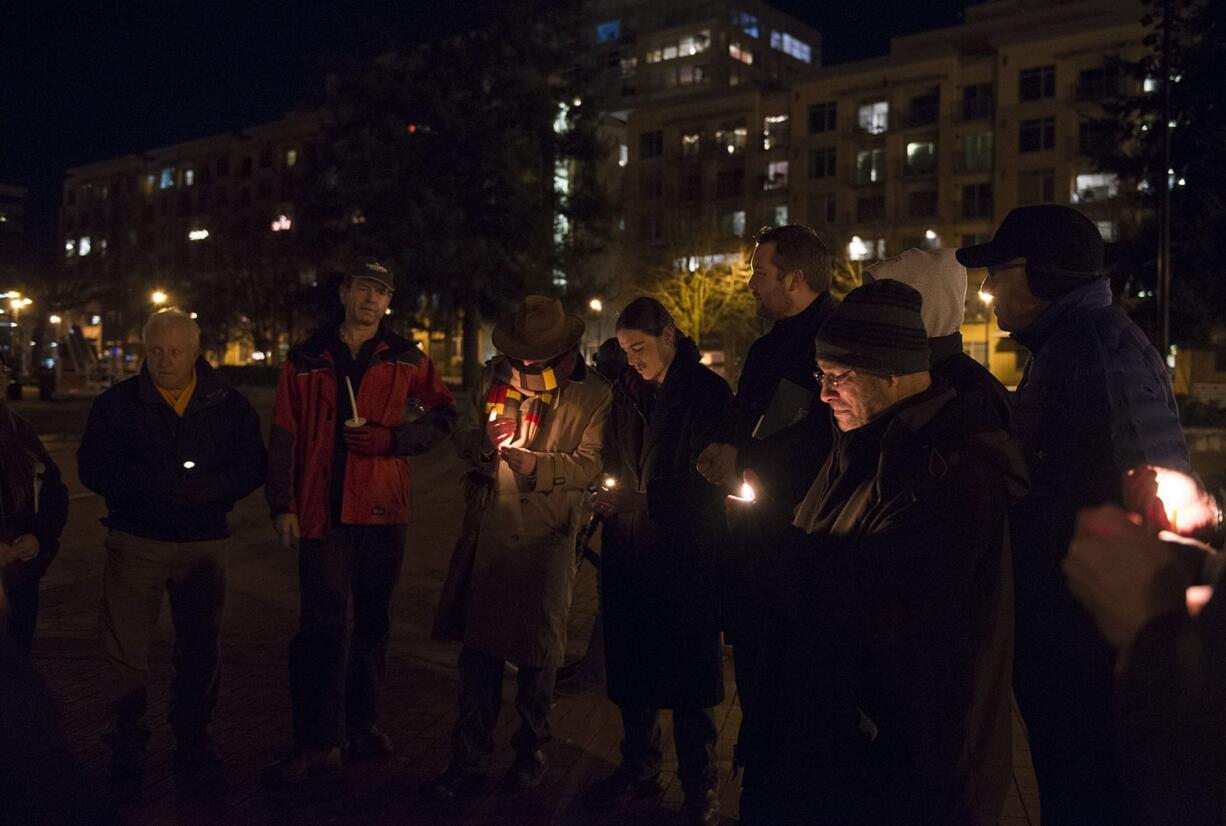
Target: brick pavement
{"points": [[252, 723]]}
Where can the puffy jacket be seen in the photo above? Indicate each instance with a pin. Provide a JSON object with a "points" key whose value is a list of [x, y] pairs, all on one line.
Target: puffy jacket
{"points": [[41, 508], [399, 390], [165, 477]]}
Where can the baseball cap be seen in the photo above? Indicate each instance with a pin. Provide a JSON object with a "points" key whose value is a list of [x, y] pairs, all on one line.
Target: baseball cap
{"points": [[1051, 237]]}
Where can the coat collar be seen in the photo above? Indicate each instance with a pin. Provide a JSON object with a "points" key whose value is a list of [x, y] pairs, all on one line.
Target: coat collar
{"points": [[209, 389], [942, 348], [314, 350], [1091, 296]]}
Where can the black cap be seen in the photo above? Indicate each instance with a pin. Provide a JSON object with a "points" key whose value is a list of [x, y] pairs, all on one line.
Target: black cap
{"points": [[1052, 238], [878, 328], [375, 271]]}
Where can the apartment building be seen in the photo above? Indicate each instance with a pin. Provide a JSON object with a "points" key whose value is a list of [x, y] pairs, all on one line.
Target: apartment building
{"points": [[928, 146], [149, 222]]}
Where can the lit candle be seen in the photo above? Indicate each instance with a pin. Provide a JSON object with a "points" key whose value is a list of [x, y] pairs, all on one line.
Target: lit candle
{"points": [[355, 420]]}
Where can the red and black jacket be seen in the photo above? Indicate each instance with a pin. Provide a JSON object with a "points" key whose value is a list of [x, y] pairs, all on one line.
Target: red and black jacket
{"points": [[399, 390]]}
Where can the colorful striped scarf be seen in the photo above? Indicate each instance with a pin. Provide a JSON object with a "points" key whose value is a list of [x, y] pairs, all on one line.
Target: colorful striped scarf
{"points": [[524, 395]]}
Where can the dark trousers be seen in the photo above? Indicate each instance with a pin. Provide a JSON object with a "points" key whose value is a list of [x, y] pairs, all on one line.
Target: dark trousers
{"points": [[364, 560], [137, 572], [472, 741], [22, 615], [694, 735]]}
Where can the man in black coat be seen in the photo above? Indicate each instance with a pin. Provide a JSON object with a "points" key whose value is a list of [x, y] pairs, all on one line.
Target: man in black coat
{"points": [[171, 449], [790, 283], [884, 682], [1094, 401]]}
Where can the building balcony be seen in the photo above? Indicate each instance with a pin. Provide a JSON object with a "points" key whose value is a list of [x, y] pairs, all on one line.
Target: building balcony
{"points": [[975, 109]]}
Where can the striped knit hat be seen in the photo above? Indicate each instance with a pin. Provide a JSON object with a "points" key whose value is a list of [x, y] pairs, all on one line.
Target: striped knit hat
{"points": [[878, 328]]}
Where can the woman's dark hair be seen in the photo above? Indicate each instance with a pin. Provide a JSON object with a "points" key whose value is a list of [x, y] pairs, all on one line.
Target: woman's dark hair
{"points": [[645, 315]]}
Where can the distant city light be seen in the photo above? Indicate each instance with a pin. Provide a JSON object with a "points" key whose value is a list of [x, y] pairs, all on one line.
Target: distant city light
{"points": [[258, 356], [189, 464], [282, 223], [197, 234], [158, 297], [857, 250], [55, 319], [192, 316], [596, 305], [930, 234], [95, 320]]}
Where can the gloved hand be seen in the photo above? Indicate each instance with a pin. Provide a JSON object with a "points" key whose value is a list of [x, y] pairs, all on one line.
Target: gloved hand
{"points": [[369, 440]]}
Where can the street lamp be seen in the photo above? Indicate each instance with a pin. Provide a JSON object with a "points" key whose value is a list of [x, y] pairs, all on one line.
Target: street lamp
{"points": [[596, 305], [159, 297], [597, 308], [986, 298]]}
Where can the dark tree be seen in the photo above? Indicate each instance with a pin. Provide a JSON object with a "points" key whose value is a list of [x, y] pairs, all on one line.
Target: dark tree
{"points": [[469, 164], [1129, 141]]}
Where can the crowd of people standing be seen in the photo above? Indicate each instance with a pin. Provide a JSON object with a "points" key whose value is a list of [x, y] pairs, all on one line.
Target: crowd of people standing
{"points": [[893, 544]]}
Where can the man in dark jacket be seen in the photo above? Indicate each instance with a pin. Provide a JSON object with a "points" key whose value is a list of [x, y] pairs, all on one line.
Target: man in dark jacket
{"points": [[1094, 400], [790, 283], [338, 489], [892, 602], [171, 450]]}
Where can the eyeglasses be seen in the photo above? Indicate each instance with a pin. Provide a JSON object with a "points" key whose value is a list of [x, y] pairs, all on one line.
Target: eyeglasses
{"points": [[830, 380]]}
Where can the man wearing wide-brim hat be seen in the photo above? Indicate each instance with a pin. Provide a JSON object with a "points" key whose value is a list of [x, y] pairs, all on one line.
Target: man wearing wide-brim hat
{"points": [[532, 444]]}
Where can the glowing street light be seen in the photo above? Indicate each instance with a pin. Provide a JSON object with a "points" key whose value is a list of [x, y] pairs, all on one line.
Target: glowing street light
{"points": [[159, 297], [55, 319], [596, 305], [986, 298]]}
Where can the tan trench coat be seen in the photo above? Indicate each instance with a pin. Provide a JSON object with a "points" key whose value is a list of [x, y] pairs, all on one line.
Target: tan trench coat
{"points": [[512, 572]]}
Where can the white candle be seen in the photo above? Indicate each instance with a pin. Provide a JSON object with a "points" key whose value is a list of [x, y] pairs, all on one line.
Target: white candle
{"points": [[355, 420]]}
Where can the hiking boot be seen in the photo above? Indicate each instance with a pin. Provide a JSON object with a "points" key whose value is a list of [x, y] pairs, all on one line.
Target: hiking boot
{"points": [[620, 787], [302, 765], [455, 783], [368, 743], [527, 771]]}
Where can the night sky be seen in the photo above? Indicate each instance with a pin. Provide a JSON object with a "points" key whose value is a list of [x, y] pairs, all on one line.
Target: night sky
{"points": [[85, 81]]}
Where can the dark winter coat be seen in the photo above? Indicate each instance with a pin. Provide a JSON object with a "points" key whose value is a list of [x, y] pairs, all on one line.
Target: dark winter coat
{"points": [[661, 612], [969, 378], [19, 514], [897, 610], [169, 478], [1094, 400]]}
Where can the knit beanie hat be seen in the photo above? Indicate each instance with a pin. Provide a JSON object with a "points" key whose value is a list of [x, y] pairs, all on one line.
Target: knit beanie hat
{"points": [[878, 328], [938, 277]]}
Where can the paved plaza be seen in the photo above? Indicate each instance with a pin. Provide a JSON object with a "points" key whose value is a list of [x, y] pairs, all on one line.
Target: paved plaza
{"points": [[252, 725]]}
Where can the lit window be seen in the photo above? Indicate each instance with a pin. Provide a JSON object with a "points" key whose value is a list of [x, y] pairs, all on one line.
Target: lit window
{"points": [[189, 177], [168, 177], [1107, 229], [732, 141], [1095, 186], [70, 248], [776, 175], [870, 166], [670, 52], [291, 157], [874, 117], [654, 56], [1150, 84], [148, 183], [609, 31], [733, 223], [746, 22], [775, 131], [629, 65], [737, 53], [282, 223], [777, 216], [102, 246], [692, 74], [921, 158], [691, 144], [857, 250], [84, 246], [784, 42], [623, 154]]}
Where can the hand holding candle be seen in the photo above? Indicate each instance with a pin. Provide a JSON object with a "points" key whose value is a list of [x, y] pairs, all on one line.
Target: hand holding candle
{"points": [[1170, 500], [501, 430]]}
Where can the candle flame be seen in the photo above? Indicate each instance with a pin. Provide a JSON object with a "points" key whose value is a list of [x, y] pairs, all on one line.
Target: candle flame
{"points": [[747, 492]]}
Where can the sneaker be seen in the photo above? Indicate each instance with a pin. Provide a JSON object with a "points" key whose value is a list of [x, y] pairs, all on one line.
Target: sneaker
{"points": [[701, 809], [302, 765], [527, 771], [368, 743], [455, 782], [618, 788]]}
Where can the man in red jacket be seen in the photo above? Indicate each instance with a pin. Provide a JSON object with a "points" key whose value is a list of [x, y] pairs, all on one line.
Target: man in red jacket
{"points": [[338, 489]]}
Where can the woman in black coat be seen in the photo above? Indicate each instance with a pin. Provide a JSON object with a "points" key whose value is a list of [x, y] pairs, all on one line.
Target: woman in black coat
{"points": [[33, 510], [663, 522]]}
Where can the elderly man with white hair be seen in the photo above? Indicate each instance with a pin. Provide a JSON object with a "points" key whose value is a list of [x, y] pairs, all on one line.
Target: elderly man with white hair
{"points": [[171, 449]]}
